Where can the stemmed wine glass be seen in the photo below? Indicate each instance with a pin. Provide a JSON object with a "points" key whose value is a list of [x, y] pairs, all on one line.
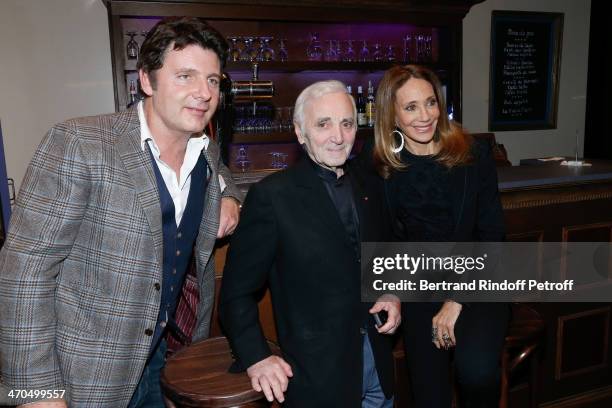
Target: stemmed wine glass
{"points": [[267, 53], [407, 46], [420, 48], [132, 46], [390, 56], [248, 50], [364, 54], [331, 54], [283, 55], [314, 52], [377, 54], [349, 55], [428, 51], [234, 51]]}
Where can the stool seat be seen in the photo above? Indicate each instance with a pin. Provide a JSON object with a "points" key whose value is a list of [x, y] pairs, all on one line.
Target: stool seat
{"points": [[523, 339], [197, 376]]}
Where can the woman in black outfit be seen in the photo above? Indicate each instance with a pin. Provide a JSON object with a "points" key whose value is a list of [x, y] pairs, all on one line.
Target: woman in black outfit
{"points": [[441, 186]]}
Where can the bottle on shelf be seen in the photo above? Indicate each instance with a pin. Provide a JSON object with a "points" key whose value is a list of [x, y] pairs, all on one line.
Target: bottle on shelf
{"points": [[361, 108], [349, 89], [371, 105], [133, 94]]}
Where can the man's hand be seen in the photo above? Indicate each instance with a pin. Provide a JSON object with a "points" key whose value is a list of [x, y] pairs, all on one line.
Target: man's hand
{"points": [[45, 404], [392, 305], [443, 325], [270, 375], [230, 214]]}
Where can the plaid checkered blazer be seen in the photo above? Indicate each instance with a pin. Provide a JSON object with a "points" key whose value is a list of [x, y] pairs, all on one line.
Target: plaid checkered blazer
{"points": [[79, 268]]}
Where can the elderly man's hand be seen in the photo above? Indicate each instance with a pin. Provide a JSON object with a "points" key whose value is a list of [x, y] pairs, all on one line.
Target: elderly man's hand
{"points": [[392, 305], [270, 375], [230, 214]]}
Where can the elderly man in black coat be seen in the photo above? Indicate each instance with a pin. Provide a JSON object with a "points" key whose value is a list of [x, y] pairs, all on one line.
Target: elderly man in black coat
{"points": [[300, 233]]}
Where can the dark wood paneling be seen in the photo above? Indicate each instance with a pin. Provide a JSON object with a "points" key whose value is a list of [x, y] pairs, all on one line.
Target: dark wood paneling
{"points": [[527, 236], [596, 232], [574, 355], [575, 358]]}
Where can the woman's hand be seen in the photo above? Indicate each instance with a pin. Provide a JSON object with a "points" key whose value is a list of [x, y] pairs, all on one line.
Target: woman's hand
{"points": [[443, 325]]}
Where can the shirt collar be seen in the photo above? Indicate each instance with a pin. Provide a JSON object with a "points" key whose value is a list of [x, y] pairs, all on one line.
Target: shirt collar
{"points": [[326, 174], [145, 134]]}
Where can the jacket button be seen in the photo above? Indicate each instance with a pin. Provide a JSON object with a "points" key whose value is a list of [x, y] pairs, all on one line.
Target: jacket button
{"points": [[149, 332], [157, 286], [179, 235]]}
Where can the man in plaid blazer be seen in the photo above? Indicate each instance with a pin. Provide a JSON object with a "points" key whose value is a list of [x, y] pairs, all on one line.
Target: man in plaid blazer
{"points": [[107, 205]]}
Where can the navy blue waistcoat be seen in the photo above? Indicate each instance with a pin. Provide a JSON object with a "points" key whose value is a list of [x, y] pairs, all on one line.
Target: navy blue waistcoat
{"points": [[178, 242]]}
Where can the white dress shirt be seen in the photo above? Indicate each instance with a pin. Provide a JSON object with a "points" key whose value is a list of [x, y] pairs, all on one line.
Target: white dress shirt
{"points": [[177, 187]]}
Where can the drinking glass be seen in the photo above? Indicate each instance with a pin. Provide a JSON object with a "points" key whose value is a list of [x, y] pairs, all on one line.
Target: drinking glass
{"points": [[377, 55], [314, 52], [242, 158], [339, 53], [267, 52], [349, 54], [407, 46], [330, 53], [390, 56], [274, 160], [283, 55], [420, 48], [364, 54], [283, 160], [234, 51], [277, 122], [132, 46], [247, 50], [288, 118]]}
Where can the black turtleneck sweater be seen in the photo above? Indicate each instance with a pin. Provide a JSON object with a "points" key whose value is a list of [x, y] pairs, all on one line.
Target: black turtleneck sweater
{"points": [[421, 198]]}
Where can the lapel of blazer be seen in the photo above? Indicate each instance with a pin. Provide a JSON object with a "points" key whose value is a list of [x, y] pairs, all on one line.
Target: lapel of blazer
{"points": [[360, 197], [139, 168], [316, 199], [211, 211]]}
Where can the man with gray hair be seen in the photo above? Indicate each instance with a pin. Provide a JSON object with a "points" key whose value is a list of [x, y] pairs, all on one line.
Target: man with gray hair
{"points": [[300, 233]]}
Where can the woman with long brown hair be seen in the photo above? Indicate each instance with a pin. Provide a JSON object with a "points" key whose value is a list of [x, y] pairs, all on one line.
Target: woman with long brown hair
{"points": [[441, 186]]}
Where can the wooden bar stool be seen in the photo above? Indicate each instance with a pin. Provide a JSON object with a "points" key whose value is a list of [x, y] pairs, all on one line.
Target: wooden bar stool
{"points": [[523, 340], [198, 376]]}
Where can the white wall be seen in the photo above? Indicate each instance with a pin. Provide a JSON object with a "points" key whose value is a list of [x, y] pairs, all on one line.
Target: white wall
{"points": [[54, 64], [573, 80]]}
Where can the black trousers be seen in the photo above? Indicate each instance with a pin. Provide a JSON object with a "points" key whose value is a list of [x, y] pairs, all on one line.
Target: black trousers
{"points": [[480, 332]]}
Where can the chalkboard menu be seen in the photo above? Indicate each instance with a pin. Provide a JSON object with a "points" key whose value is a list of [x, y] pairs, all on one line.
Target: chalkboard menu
{"points": [[524, 74]]}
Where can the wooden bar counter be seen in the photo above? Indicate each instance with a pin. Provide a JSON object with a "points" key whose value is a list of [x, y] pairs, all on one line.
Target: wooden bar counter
{"points": [[554, 203]]}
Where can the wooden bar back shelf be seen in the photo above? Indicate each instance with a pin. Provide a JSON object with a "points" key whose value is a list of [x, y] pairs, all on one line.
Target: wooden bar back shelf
{"points": [[198, 376]]}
